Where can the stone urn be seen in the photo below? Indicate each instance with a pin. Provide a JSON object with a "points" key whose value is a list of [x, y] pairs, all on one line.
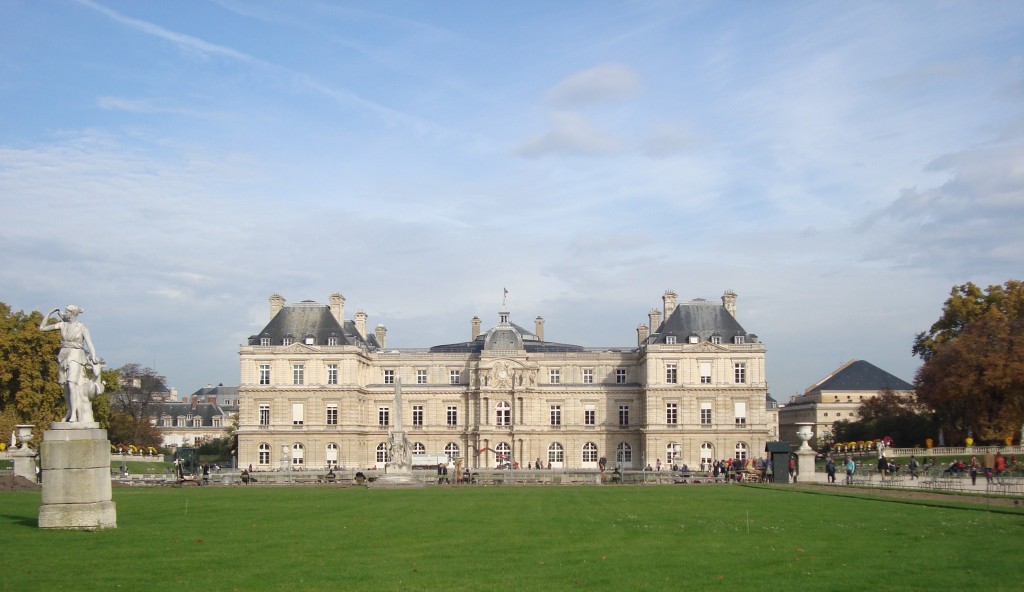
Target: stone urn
{"points": [[24, 435], [805, 433]]}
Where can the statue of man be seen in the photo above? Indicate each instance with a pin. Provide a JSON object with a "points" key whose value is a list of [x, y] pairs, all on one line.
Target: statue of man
{"points": [[72, 359]]}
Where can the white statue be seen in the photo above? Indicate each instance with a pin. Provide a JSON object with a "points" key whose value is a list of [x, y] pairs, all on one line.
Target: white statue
{"points": [[79, 388]]}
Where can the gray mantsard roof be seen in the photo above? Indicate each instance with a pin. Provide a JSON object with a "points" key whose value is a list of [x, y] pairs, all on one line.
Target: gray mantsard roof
{"points": [[858, 375], [310, 319], [702, 318], [506, 335]]}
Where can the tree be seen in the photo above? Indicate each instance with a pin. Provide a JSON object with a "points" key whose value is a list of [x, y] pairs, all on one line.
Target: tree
{"points": [[966, 304], [132, 400], [973, 375], [29, 392], [901, 418]]}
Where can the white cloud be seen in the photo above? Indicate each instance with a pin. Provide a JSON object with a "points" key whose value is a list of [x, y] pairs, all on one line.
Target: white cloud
{"points": [[607, 83], [572, 134]]}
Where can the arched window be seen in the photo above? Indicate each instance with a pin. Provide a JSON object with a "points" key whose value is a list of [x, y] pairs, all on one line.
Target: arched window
{"points": [[451, 449], [503, 452], [418, 448], [382, 453], [741, 451], [672, 453], [624, 454], [332, 455], [264, 458], [556, 455], [589, 455], [707, 456], [503, 414], [298, 454]]}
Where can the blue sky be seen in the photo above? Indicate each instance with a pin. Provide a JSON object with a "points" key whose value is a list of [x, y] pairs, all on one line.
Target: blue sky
{"points": [[169, 165]]}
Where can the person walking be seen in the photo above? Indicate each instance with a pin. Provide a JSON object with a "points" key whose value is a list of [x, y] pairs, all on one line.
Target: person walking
{"points": [[830, 469], [990, 464], [851, 467], [913, 467]]}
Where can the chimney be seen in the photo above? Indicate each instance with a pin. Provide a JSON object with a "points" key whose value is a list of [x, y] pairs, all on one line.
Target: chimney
{"points": [[670, 303], [538, 325], [474, 330], [641, 334], [338, 308], [382, 336], [655, 318], [276, 304], [361, 323], [729, 301]]}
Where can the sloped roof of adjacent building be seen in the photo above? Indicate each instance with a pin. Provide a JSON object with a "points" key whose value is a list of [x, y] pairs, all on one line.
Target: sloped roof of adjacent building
{"points": [[311, 319], [207, 411], [699, 317], [859, 375]]}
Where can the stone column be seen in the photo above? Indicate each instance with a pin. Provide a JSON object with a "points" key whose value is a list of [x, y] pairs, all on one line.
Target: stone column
{"points": [[75, 460]]}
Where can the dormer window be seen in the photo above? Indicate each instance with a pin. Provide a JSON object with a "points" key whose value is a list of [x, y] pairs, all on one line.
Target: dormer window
{"points": [[264, 341], [332, 340], [670, 340], [716, 339], [739, 339], [310, 340], [694, 339], [288, 340]]}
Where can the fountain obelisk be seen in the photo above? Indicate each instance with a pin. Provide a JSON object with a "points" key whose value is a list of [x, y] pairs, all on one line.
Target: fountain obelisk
{"points": [[399, 465]]}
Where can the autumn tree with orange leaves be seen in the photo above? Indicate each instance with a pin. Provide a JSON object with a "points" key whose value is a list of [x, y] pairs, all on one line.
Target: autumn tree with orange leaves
{"points": [[973, 373]]}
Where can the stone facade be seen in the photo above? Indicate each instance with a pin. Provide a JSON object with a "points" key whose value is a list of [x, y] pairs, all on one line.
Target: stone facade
{"points": [[837, 397], [316, 390]]}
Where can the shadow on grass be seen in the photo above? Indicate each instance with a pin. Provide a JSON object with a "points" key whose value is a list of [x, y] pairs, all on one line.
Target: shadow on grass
{"points": [[26, 521], [950, 501]]}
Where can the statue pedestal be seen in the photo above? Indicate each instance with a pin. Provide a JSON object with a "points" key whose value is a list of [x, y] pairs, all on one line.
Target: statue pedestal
{"points": [[75, 461], [805, 465], [24, 463]]}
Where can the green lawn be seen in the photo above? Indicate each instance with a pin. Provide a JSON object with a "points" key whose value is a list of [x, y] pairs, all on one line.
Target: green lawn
{"points": [[724, 537]]}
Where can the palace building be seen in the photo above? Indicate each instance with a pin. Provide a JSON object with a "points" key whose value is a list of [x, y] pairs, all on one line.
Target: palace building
{"points": [[317, 390]]}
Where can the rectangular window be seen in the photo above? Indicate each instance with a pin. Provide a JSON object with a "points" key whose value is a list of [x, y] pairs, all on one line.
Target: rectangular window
{"points": [[264, 341], [705, 372], [555, 376], [417, 415], [454, 377], [389, 377], [264, 373], [589, 415], [556, 415], [298, 373], [297, 418], [383, 417], [670, 340], [739, 339], [705, 413], [671, 413], [740, 372], [671, 374], [264, 414], [623, 415], [332, 414], [716, 339], [620, 376], [287, 341], [453, 415], [588, 376], [332, 340], [741, 412], [332, 374], [421, 377]]}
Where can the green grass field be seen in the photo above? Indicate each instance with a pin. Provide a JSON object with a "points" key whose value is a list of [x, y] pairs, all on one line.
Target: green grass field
{"points": [[530, 538]]}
